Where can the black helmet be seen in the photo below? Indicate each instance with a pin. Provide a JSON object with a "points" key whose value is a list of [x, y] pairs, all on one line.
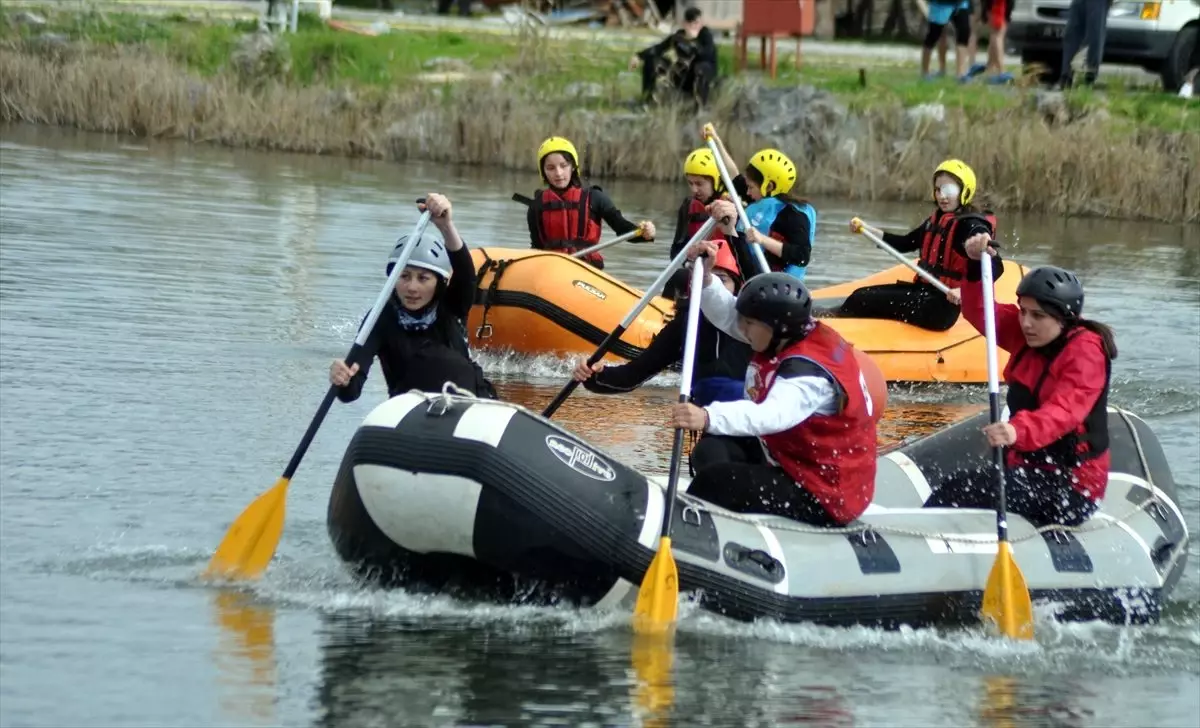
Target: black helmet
{"points": [[777, 299], [1058, 290]]}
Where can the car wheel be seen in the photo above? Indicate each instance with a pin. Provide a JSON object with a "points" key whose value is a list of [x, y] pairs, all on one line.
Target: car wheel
{"points": [[1176, 63], [1047, 65]]}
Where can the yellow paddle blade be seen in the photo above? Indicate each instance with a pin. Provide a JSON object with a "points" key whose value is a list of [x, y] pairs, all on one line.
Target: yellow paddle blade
{"points": [[250, 543], [1006, 599], [658, 598]]}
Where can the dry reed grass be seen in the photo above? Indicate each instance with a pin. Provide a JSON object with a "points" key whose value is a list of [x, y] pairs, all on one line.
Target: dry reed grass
{"points": [[1083, 168]]}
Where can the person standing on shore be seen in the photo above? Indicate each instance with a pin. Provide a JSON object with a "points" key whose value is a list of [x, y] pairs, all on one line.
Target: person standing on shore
{"points": [[565, 216], [1087, 24], [940, 239], [421, 336], [941, 13], [998, 14]]}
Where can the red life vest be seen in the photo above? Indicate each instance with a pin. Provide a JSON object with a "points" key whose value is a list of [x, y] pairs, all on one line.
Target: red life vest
{"points": [[1083, 451], [938, 255], [697, 215], [565, 221], [830, 456]]}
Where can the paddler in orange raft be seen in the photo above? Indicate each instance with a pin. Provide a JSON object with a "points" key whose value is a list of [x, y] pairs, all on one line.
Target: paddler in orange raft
{"points": [[704, 187], [566, 215], [940, 239]]}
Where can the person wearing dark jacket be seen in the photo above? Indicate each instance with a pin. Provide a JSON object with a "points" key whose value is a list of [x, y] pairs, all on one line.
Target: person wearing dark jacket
{"points": [[940, 242], [1058, 376], [721, 360], [566, 216], [687, 57], [420, 337]]}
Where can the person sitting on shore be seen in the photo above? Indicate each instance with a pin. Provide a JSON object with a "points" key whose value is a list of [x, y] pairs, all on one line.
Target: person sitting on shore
{"points": [[802, 445], [783, 225], [686, 60], [1056, 436], [566, 216], [720, 359], [421, 337], [940, 239]]}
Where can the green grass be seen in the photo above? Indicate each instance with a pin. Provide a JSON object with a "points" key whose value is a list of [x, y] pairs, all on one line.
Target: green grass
{"points": [[320, 55]]}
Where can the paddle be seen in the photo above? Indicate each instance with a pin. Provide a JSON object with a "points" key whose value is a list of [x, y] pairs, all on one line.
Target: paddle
{"points": [[608, 243], [654, 289], [755, 248], [250, 543], [658, 597], [879, 243], [1005, 598]]}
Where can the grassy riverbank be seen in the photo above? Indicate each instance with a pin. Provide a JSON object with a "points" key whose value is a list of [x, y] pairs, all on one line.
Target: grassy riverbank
{"points": [[490, 99]]}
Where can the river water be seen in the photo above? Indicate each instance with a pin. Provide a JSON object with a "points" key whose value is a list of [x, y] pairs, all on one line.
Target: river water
{"points": [[167, 314]]}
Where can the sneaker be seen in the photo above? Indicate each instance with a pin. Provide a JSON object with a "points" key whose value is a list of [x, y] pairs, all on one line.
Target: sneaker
{"points": [[1000, 79], [977, 69], [1185, 91]]}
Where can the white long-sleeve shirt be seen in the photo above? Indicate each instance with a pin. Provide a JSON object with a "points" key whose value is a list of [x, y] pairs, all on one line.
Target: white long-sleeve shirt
{"points": [[790, 400]]}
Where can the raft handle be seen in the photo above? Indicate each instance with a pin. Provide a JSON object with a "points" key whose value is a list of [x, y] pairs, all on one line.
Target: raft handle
{"points": [[755, 562], [694, 512]]}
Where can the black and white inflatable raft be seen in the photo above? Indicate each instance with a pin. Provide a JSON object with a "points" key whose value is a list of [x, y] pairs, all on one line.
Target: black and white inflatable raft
{"points": [[487, 500]]}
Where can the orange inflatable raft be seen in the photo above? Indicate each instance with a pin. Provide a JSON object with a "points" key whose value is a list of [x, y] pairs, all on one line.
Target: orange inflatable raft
{"points": [[907, 353], [535, 302]]}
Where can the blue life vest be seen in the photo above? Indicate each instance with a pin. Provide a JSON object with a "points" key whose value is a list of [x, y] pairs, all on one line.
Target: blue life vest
{"points": [[762, 216]]}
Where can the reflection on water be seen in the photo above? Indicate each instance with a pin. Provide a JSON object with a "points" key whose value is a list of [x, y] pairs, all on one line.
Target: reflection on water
{"points": [[654, 690], [245, 658]]}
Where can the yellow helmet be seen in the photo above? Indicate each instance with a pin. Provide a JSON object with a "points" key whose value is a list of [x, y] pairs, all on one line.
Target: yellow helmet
{"points": [[959, 170], [775, 167], [552, 145], [702, 164]]}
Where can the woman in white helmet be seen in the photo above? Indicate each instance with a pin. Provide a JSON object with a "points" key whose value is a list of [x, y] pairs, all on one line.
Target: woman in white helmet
{"points": [[421, 338]]}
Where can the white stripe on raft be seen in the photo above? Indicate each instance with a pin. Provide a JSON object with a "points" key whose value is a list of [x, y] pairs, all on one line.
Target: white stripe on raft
{"points": [[391, 412], [484, 422], [648, 537], [915, 476]]}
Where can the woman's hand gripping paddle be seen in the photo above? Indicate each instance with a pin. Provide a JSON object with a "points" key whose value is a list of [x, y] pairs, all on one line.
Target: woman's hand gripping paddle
{"points": [[250, 543], [658, 598], [755, 248], [1006, 597], [614, 335]]}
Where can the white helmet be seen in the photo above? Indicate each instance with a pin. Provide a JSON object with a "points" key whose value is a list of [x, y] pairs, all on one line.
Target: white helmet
{"points": [[430, 254]]}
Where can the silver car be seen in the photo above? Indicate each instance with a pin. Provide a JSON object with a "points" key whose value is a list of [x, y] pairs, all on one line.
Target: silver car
{"points": [[1158, 36]]}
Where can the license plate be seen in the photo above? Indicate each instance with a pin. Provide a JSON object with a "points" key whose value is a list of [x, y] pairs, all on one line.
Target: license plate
{"points": [[1053, 31]]}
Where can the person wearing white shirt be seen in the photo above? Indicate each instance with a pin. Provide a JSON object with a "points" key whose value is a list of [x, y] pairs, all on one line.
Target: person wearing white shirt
{"points": [[803, 443]]}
